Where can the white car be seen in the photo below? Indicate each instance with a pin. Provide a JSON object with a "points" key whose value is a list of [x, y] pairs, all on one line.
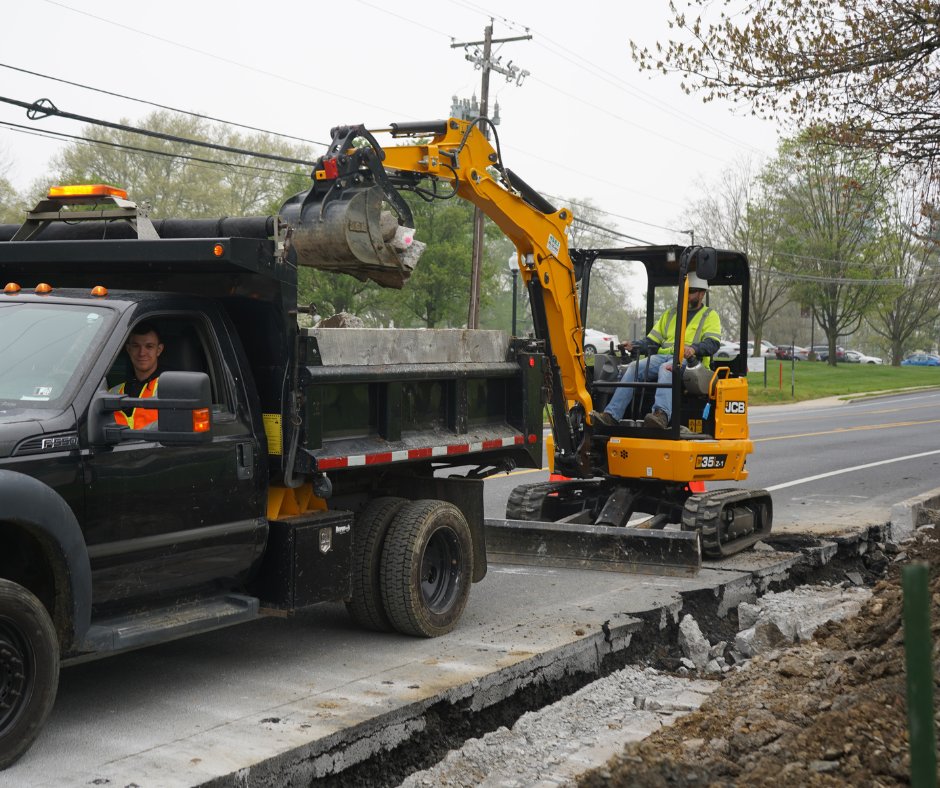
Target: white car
{"points": [[598, 341], [730, 350], [855, 357]]}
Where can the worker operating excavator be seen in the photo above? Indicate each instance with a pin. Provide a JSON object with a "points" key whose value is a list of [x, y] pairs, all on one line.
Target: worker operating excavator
{"points": [[655, 361]]}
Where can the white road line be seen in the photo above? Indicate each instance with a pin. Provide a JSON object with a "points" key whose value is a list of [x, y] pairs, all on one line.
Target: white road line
{"points": [[850, 470]]}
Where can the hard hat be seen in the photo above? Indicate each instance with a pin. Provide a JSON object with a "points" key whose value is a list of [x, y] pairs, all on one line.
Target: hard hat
{"points": [[696, 282]]}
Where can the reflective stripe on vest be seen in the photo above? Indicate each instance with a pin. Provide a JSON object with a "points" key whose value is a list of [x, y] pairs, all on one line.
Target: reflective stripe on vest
{"points": [[697, 322], [140, 418], [694, 331]]}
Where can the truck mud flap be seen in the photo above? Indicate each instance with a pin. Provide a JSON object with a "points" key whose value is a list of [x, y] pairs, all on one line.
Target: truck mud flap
{"points": [[599, 547]]}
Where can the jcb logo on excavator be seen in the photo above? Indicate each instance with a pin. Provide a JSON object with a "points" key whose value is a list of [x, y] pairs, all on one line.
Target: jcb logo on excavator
{"points": [[736, 406]]}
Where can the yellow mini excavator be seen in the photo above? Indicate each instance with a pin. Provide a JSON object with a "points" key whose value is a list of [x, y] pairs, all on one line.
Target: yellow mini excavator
{"points": [[619, 494]]}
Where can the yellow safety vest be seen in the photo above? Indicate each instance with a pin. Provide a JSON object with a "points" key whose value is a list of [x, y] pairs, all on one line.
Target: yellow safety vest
{"points": [[704, 324]]}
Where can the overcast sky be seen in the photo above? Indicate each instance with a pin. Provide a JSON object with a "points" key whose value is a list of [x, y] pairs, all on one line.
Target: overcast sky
{"points": [[584, 123]]}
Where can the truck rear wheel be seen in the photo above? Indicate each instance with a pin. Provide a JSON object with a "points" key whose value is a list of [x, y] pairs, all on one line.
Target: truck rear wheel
{"points": [[29, 669], [427, 566], [365, 605]]}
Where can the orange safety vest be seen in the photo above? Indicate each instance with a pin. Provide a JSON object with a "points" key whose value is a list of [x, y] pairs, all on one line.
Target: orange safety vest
{"points": [[140, 418]]}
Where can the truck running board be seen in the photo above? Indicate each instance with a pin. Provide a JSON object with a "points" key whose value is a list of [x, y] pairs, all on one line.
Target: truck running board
{"points": [[168, 623], [601, 547]]}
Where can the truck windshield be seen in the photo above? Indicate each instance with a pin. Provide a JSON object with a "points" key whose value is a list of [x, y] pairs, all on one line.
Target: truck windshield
{"points": [[43, 346]]}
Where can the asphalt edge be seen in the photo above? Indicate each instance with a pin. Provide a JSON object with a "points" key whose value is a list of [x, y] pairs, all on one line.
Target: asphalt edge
{"points": [[907, 516]]}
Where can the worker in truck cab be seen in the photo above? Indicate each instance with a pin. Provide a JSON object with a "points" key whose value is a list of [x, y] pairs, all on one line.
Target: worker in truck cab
{"points": [[702, 338], [143, 348]]}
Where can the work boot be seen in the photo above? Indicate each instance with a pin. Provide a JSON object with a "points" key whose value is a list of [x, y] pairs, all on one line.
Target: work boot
{"points": [[603, 417], [657, 419]]}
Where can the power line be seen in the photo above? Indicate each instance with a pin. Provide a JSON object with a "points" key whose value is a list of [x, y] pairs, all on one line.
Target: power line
{"points": [[475, 7], [205, 53], [588, 207], [43, 108], [610, 232], [585, 64], [159, 106], [835, 280], [146, 151]]}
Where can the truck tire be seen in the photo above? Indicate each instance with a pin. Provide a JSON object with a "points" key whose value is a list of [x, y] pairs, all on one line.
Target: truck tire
{"points": [[368, 536], [29, 669], [427, 566]]}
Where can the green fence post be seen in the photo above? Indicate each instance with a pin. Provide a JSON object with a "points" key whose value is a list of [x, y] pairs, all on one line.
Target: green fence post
{"points": [[917, 650]]}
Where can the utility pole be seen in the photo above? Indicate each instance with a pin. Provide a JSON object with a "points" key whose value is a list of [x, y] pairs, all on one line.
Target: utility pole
{"points": [[486, 63]]}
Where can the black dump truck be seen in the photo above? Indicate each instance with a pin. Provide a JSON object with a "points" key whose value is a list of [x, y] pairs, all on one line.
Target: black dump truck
{"points": [[286, 466]]}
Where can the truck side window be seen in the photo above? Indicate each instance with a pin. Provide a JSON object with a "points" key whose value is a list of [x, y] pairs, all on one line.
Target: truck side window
{"points": [[186, 348]]}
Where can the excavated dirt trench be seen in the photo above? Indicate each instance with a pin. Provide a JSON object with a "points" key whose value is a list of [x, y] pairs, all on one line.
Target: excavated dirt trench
{"points": [[448, 726], [828, 712]]}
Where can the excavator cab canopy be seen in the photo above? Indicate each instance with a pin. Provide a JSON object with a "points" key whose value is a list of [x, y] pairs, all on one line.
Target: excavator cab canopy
{"points": [[724, 269]]}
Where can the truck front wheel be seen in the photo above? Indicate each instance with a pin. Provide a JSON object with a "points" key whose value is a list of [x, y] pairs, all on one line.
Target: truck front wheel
{"points": [[426, 570], [29, 669]]}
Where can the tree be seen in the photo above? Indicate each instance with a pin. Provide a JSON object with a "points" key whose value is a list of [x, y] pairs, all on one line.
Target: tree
{"points": [[912, 251], [437, 293], [831, 204], [11, 209], [863, 72], [229, 184], [739, 213], [12, 206], [612, 282]]}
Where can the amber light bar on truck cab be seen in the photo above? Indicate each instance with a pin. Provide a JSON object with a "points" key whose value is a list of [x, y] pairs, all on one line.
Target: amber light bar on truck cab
{"points": [[85, 190], [43, 288]]}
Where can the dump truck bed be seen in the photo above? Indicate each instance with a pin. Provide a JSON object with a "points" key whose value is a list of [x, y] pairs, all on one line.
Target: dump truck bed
{"points": [[445, 396]]}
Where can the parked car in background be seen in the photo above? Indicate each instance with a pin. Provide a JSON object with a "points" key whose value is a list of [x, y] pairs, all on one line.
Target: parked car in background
{"points": [[822, 352], [857, 357], [727, 351], [768, 349], [921, 360], [788, 352], [598, 341], [730, 350]]}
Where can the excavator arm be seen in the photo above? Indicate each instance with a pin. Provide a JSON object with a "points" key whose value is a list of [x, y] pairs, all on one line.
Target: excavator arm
{"points": [[457, 154]]}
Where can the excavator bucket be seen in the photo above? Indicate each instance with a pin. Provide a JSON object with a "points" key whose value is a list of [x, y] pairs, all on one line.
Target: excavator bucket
{"points": [[351, 232]]}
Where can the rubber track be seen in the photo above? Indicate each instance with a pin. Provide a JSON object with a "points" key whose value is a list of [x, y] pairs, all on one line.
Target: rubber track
{"points": [[525, 501], [702, 513]]}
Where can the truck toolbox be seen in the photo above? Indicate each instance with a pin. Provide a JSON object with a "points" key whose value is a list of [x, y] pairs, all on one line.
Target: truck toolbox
{"points": [[306, 560]]}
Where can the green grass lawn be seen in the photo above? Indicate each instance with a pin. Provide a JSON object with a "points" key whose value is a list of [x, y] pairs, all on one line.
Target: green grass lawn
{"points": [[813, 379]]}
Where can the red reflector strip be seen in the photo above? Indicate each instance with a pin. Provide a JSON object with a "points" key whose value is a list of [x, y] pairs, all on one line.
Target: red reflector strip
{"points": [[423, 453], [330, 169], [332, 462]]}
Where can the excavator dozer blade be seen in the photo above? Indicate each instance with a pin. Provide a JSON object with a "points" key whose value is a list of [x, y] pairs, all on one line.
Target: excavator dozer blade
{"points": [[351, 233], [607, 548]]}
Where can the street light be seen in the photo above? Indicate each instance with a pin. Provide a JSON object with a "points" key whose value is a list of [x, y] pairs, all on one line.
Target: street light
{"points": [[691, 234], [514, 269]]}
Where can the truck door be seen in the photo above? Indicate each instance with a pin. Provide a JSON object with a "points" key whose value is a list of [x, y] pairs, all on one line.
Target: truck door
{"points": [[174, 519]]}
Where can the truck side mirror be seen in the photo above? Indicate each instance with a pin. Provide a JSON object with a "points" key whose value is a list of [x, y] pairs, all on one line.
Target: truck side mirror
{"points": [[184, 412]]}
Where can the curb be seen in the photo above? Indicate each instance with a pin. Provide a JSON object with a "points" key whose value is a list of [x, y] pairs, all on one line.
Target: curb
{"points": [[907, 516]]}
